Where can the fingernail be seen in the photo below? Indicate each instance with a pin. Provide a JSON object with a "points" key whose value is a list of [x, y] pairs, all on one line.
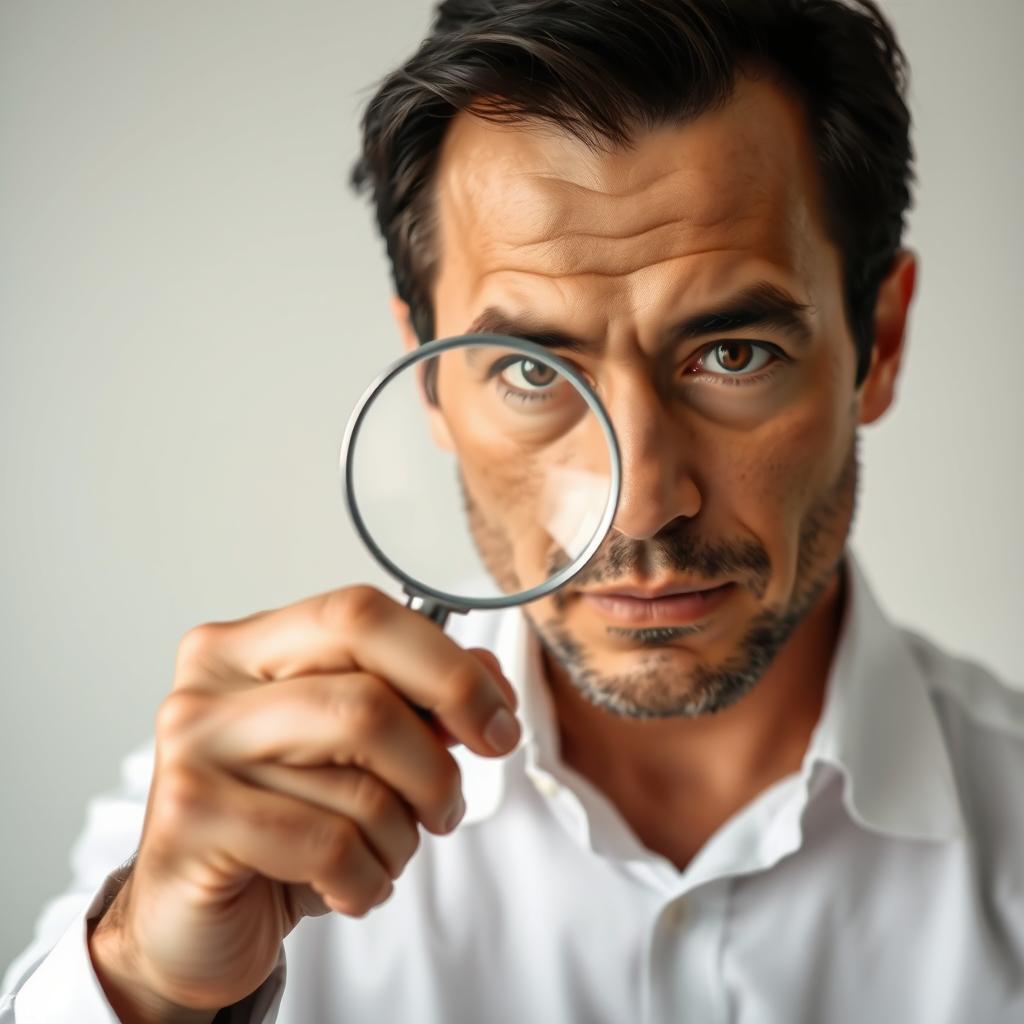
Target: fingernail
{"points": [[515, 695], [456, 816], [502, 731]]}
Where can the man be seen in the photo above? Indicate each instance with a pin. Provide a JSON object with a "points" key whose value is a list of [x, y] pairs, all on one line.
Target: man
{"points": [[707, 780]]}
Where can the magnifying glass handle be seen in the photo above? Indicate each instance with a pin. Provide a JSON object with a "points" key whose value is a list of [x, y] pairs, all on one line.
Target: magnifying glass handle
{"points": [[436, 611]]}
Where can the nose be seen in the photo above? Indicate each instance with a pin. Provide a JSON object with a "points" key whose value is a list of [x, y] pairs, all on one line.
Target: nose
{"points": [[658, 485]]}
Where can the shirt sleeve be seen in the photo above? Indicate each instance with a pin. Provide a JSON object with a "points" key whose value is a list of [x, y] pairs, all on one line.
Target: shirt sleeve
{"points": [[53, 981]]}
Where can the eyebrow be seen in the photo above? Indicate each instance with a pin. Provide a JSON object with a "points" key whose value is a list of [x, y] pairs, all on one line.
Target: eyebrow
{"points": [[762, 305], [495, 321]]}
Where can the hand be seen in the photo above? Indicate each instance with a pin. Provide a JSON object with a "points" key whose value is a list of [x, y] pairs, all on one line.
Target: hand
{"points": [[292, 771]]}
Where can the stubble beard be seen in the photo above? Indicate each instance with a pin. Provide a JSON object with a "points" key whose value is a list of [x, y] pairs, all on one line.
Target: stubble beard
{"points": [[657, 689]]}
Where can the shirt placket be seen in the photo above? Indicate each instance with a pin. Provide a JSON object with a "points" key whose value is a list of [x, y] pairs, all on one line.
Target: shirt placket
{"points": [[682, 976]]}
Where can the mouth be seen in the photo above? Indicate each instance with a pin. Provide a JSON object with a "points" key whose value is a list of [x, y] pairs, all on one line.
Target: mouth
{"points": [[670, 605]]}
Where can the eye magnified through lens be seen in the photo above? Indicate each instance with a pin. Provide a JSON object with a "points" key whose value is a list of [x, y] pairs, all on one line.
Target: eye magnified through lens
{"points": [[481, 472]]}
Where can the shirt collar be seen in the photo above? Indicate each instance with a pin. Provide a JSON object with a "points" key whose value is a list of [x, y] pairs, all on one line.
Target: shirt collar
{"points": [[878, 726], [880, 729]]}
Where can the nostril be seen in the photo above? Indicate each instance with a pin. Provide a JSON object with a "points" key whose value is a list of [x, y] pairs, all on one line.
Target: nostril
{"points": [[645, 513]]}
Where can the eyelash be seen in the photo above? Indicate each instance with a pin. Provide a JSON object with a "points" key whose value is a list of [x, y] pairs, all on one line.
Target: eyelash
{"points": [[717, 379], [521, 396], [739, 379], [508, 392]]}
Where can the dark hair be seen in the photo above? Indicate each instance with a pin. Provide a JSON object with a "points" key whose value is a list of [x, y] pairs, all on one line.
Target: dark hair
{"points": [[601, 69]]}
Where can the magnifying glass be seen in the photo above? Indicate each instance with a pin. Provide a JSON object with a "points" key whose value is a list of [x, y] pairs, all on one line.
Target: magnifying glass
{"points": [[480, 471]]}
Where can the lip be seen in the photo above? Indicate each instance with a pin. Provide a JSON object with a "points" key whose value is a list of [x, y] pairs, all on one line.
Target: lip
{"points": [[649, 593], [670, 605]]}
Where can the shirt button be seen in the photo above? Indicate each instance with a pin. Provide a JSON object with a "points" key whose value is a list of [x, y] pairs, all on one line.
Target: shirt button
{"points": [[545, 784], [676, 914]]}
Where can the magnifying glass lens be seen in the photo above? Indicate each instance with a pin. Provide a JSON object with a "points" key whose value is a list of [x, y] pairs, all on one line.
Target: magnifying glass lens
{"points": [[481, 472]]}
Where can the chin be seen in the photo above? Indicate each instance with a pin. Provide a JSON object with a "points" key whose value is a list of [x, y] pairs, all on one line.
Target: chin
{"points": [[660, 685], [689, 670]]}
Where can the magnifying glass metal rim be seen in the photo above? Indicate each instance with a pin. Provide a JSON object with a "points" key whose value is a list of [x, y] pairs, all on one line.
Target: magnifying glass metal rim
{"points": [[416, 588]]}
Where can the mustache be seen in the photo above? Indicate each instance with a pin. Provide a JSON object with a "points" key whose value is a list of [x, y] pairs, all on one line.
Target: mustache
{"points": [[676, 548]]}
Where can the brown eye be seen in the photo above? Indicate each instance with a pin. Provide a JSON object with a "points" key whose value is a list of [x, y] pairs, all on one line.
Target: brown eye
{"points": [[537, 374], [734, 355], [529, 375], [738, 359]]}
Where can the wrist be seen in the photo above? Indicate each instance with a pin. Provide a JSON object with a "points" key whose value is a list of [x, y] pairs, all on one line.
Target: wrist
{"points": [[120, 978]]}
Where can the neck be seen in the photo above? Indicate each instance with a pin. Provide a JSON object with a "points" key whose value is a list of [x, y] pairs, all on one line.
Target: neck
{"points": [[676, 780]]}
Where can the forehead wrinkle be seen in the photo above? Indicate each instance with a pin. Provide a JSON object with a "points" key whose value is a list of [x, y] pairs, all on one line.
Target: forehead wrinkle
{"points": [[523, 214], [535, 206], [565, 273], [545, 230], [535, 185], [673, 197], [576, 254], [520, 207], [583, 253]]}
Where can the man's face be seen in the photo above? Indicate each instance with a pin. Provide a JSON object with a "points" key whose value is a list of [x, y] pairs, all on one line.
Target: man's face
{"points": [[694, 272]]}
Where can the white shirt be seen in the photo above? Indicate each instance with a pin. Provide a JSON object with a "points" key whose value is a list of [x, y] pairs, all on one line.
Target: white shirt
{"points": [[882, 883]]}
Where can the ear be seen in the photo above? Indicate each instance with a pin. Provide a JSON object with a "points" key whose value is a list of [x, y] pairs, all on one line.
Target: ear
{"points": [[878, 389], [403, 321], [438, 427]]}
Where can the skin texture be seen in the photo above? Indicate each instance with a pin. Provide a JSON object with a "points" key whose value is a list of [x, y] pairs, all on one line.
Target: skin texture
{"points": [[292, 773], [749, 482], [530, 469], [291, 777]]}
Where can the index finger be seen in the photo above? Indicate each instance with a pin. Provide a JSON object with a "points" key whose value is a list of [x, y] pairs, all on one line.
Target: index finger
{"points": [[361, 629]]}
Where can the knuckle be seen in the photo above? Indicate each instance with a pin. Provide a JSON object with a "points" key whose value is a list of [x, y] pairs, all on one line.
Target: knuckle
{"points": [[176, 719], [365, 708], [331, 843], [180, 799], [355, 609], [198, 646], [374, 800], [272, 821]]}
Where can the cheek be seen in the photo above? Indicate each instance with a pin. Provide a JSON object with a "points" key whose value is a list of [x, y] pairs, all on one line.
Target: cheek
{"points": [[504, 489], [498, 477], [778, 472], [501, 487], [544, 495]]}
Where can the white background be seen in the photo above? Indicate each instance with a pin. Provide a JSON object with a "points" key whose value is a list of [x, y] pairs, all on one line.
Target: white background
{"points": [[191, 300]]}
